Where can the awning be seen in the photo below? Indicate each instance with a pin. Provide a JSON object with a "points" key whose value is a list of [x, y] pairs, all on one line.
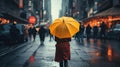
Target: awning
{"points": [[12, 17], [114, 11]]}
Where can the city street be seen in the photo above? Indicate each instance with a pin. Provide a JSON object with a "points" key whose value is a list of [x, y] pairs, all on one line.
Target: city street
{"points": [[92, 53], [91, 26]]}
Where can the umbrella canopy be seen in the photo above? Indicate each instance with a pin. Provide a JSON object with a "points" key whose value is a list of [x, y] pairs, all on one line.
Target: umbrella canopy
{"points": [[64, 27]]}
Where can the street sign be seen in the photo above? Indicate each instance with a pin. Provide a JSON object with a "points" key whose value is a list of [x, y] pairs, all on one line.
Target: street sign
{"points": [[32, 19]]}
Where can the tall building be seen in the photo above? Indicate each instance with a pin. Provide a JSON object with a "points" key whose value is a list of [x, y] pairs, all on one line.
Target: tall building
{"points": [[47, 11], [11, 11], [77, 9], [9, 6], [38, 9], [65, 8], [107, 11], [34, 8], [74, 8]]}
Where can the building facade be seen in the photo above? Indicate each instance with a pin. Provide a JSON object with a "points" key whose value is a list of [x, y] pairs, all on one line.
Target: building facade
{"points": [[65, 8], [47, 11]]}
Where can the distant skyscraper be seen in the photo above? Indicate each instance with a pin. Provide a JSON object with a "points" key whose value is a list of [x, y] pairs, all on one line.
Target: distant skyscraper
{"points": [[47, 10]]}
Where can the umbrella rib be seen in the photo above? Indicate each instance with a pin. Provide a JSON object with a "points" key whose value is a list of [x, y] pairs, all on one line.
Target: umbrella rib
{"points": [[68, 29], [73, 31]]}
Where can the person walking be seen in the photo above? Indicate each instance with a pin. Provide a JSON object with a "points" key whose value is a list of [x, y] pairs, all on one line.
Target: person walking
{"points": [[41, 33], [95, 32], [51, 36], [14, 33], [34, 31], [26, 33], [63, 29], [62, 54], [81, 33], [88, 31], [30, 33], [103, 29]]}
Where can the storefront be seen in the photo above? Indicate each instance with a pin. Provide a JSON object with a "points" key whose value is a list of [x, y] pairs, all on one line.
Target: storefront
{"points": [[13, 18], [110, 17]]}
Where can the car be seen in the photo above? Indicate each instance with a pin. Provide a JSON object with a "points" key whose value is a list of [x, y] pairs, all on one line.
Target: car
{"points": [[114, 32]]}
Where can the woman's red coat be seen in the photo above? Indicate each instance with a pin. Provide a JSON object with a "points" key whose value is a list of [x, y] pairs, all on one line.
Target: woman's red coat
{"points": [[62, 49]]}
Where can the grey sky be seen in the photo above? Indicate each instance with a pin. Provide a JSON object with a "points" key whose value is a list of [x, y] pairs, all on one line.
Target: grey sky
{"points": [[55, 8]]}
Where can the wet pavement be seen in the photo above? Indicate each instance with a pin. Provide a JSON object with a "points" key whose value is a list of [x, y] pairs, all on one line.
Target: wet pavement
{"points": [[92, 53]]}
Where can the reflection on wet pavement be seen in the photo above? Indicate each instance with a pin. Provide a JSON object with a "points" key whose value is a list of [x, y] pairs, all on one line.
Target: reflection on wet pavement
{"points": [[41, 59], [31, 58], [105, 51]]}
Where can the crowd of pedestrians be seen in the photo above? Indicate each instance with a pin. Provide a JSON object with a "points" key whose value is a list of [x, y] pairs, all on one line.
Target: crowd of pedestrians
{"points": [[88, 32], [31, 32], [92, 32]]}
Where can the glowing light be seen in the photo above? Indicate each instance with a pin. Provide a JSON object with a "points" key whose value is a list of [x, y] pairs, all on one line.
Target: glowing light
{"points": [[32, 59], [15, 22], [109, 53], [32, 19], [97, 53]]}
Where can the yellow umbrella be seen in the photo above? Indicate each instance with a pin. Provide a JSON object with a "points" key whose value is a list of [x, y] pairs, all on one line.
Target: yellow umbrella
{"points": [[64, 27]]}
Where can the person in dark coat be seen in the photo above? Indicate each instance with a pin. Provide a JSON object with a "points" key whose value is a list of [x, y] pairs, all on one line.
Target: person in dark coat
{"points": [[88, 31], [14, 33], [81, 32], [62, 54], [26, 34], [103, 27], [30, 33], [42, 32], [51, 36], [95, 31], [34, 31]]}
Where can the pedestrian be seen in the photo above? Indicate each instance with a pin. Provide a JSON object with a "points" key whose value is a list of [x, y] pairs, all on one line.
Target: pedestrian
{"points": [[103, 29], [14, 33], [88, 31], [30, 33], [34, 31], [51, 36], [62, 54], [41, 33], [26, 33], [95, 32], [81, 33]]}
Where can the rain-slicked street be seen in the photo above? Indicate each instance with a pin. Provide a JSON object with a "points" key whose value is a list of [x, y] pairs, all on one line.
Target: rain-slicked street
{"points": [[59, 33], [92, 53]]}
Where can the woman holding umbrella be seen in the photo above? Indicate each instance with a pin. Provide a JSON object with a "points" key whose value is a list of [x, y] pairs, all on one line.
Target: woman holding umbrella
{"points": [[62, 54], [63, 29]]}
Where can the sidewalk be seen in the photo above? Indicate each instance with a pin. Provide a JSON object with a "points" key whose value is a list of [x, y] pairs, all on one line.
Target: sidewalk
{"points": [[5, 49], [81, 56]]}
